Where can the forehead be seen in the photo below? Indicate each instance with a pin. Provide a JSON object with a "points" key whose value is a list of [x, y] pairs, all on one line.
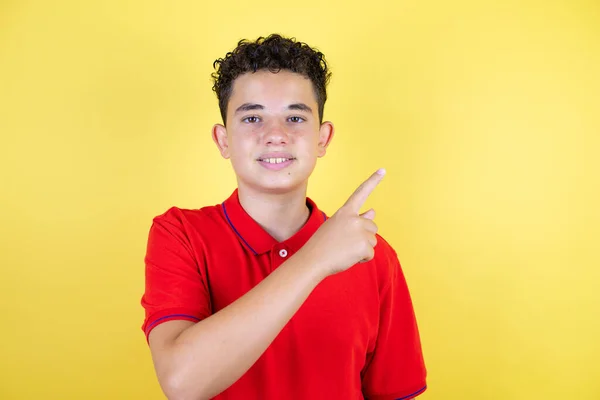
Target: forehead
{"points": [[272, 90]]}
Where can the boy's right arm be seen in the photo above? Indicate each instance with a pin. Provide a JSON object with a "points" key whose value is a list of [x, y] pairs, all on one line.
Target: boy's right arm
{"points": [[199, 361]]}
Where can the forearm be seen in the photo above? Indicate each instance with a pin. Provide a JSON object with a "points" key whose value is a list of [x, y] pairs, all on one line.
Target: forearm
{"points": [[209, 356]]}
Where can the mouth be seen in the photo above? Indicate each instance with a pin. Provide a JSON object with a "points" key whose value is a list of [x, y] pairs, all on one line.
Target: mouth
{"points": [[276, 163], [276, 160]]}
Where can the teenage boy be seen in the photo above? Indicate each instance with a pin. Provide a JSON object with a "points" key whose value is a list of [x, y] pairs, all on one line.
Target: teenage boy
{"points": [[264, 296]]}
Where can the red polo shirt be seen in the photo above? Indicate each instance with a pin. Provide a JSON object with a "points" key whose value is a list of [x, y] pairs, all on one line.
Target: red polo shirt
{"points": [[354, 337]]}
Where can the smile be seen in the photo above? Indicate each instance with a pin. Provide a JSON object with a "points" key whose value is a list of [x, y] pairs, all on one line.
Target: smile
{"points": [[276, 163], [275, 160]]}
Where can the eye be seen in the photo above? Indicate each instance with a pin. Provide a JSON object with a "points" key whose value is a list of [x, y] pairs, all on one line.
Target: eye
{"points": [[251, 120], [296, 119]]}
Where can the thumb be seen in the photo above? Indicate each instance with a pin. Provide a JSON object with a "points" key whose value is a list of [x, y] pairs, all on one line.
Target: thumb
{"points": [[369, 214]]}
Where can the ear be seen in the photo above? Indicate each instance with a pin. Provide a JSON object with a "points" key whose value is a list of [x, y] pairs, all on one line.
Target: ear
{"points": [[325, 135], [219, 135]]}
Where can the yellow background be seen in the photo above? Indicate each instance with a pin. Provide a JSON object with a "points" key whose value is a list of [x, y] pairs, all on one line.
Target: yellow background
{"points": [[485, 114]]}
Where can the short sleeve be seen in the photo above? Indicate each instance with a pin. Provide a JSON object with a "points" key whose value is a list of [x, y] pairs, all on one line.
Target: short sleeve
{"points": [[175, 285], [395, 369]]}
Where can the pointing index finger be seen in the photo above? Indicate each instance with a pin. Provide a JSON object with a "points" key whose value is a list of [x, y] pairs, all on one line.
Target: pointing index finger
{"points": [[360, 195]]}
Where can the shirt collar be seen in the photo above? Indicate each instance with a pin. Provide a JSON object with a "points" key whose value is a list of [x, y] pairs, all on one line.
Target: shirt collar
{"points": [[259, 241]]}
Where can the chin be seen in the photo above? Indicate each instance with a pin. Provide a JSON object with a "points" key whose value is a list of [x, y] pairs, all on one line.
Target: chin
{"points": [[280, 187], [259, 179], [276, 186]]}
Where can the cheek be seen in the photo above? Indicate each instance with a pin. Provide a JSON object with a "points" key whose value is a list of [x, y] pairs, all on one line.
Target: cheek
{"points": [[243, 144], [307, 138]]}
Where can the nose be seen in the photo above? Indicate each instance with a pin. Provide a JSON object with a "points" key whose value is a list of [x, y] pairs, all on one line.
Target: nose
{"points": [[276, 134]]}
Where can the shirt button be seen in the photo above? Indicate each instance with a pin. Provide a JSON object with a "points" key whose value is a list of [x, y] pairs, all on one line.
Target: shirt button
{"points": [[283, 253]]}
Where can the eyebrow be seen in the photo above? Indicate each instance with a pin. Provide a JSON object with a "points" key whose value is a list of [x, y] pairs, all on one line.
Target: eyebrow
{"points": [[249, 107], [253, 106], [300, 107]]}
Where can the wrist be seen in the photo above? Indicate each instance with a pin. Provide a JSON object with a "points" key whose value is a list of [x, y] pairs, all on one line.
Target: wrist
{"points": [[312, 262]]}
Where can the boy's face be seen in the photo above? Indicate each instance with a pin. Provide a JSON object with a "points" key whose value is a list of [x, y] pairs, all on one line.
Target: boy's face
{"points": [[273, 135]]}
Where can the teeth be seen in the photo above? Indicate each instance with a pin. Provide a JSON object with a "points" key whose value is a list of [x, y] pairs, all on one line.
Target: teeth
{"points": [[275, 160]]}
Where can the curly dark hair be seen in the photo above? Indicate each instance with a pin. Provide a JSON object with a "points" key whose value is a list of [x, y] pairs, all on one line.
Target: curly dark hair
{"points": [[274, 53]]}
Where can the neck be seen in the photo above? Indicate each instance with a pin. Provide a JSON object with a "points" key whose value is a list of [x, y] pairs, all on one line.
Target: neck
{"points": [[280, 214]]}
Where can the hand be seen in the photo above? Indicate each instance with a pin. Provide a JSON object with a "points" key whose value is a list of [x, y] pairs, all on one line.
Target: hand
{"points": [[347, 237]]}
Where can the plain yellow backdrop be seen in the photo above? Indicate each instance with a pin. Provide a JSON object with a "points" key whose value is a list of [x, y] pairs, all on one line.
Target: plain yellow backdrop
{"points": [[485, 114]]}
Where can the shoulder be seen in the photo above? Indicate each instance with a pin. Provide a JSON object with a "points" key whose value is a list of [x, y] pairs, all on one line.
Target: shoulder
{"points": [[386, 260], [189, 227], [178, 217], [384, 251]]}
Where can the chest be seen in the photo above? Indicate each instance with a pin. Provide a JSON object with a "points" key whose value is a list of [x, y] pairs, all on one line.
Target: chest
{"points": [[341, 315]]}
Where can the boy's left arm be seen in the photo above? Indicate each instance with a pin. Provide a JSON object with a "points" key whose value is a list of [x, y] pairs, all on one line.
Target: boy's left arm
{"points": [[395, 369]]}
